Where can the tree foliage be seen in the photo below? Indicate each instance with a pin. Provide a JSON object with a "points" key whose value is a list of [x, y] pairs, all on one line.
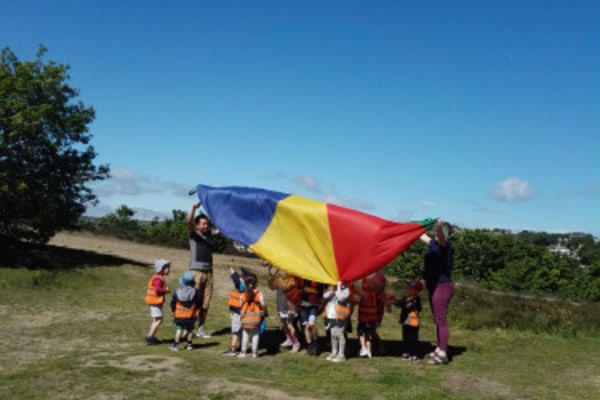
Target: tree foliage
{"points": [[525, 262], [566, 265], [46, 159]]}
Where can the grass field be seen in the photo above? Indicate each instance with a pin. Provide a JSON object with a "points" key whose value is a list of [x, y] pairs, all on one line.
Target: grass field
{"points": [[73, 322]]}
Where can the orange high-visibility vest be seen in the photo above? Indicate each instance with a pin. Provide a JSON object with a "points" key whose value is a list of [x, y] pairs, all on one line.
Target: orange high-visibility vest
{"points": [[235, 299], [412, 319], [342, 311], [251, 313], [311, 292], [152, 298], [368, 310], [183, 312], [293, 291]]}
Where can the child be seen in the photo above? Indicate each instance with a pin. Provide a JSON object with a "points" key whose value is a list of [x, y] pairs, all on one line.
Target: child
{"points": [[288, 300], [337, 313], [253, 311], [369, 315], [235, 306], [155, 297], [409, 318], [185, 303], [310, 307]]}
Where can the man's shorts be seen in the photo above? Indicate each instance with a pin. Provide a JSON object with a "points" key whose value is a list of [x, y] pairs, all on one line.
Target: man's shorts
{"points": [[203, 282]]}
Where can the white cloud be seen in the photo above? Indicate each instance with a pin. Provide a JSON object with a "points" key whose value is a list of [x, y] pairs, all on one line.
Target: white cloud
{"points": [[308, 182], [427, 204], [512, 189], [355, 204], [128, 183]]}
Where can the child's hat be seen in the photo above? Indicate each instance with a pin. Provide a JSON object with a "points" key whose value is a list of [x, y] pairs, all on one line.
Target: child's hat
{"points": [[160, 264], [187, 279], [416, 284]]}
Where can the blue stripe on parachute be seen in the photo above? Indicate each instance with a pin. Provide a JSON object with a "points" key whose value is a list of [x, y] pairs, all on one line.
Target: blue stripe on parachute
{"points": [[242, 214]]}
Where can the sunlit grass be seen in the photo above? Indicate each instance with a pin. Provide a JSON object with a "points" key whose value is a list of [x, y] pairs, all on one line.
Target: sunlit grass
{"points": [[78, 333]]}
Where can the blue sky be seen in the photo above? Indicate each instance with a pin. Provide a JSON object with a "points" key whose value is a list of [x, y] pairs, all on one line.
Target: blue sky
{"points": [[483, 113]]}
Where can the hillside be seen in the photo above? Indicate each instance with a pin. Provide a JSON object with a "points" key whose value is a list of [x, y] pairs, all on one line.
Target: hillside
{"points": [[73, 327]]}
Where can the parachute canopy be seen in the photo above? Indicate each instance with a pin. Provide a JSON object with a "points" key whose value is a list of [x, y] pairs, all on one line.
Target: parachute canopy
{"points": [[307, 238]]}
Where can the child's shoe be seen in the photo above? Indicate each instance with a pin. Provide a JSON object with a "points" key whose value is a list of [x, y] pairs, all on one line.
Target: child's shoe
{"points": [[339, 358], [201, 333], [174, 347], [363, 352], [295, 347], [415, 359], [151, 340], [189, 346], [331, 357], [286, 343], [241, 355], [229, 353], [405, 356]]}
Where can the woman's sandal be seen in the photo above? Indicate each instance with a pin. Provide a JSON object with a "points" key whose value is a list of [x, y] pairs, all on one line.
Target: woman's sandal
{"points": [[436, 359]]}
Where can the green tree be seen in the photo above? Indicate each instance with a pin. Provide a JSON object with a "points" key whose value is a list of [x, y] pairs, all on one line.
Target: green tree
{"points": [[121, 219], [46, 160]]}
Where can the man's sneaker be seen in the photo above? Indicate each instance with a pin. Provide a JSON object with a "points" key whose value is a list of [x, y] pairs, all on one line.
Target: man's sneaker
{"points": [[286, 343], [339, 358], [189, 346], [295, 348], [229, 353], [363, 352], [174, 347], [201, 333]]}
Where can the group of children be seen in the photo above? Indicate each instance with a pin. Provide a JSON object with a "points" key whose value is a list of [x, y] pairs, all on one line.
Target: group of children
{"points": [[298, 301]]}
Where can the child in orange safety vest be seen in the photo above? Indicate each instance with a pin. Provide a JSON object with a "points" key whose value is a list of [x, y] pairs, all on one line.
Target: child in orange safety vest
{"points": [[155, 297], [185, 304], [235, 307], [252, 313], [337, 314], [409, 318]]}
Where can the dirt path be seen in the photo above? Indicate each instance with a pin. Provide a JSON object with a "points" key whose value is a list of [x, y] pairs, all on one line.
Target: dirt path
{"points": [[147, 253]]}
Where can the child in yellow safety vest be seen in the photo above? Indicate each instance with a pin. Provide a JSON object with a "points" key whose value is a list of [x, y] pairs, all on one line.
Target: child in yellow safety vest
{"points": [[185, 304], [252, 313], [409, 318], [155, 297], [337, 314]]}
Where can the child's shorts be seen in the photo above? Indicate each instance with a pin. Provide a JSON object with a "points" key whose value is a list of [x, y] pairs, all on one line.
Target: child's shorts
{"points": [[156, 311], [288, 317], [366, 328], [184, 324], [236, 323], [308, 314]]}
